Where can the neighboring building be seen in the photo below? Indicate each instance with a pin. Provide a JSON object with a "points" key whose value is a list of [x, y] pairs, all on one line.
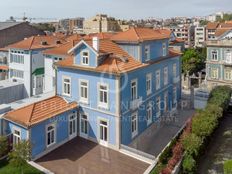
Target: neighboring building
{"points": [[184, 32], [110, 80], [101, 23], [219, 60], [200, 36], [71, 25], [4, 69], [11, 32], [26, 62]]}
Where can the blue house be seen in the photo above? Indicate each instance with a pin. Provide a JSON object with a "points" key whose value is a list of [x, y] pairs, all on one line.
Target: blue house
{"points": [[122, 86]]}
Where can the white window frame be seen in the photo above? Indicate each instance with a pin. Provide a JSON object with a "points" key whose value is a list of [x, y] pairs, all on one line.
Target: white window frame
{"points": [[157, 79], [166, 75], [70, 85], [82, 99], [228, 56], [54, 129], [134, 125], [214, 55], [174, 70], [84, 57], [158, 106], [103, 104], [149, 83], [149, 113], [136, 90], [214, 76], [228, 72], [147, 52], [164, 48], [19, 138]]}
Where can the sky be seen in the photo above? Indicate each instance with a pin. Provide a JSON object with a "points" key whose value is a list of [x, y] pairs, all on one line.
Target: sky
{"points": [[124, 9]]}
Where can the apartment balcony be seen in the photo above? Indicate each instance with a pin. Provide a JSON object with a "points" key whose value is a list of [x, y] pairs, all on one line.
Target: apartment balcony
{"points": [[136, 103], [219, 43], [176, 79]]}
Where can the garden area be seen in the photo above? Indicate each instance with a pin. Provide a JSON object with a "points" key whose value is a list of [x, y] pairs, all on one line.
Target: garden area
{"points": [[188, 147], [15, 161]]}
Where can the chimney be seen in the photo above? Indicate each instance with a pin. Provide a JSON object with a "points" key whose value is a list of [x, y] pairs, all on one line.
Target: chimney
{"points": [[96, 43]]}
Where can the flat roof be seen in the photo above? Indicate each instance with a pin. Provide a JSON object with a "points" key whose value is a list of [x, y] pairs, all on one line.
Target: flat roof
{"points": [[7, 83]]}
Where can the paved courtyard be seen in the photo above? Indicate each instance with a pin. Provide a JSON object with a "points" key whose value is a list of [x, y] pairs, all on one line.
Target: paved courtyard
{"points": [[155, 138], [81, 156]]}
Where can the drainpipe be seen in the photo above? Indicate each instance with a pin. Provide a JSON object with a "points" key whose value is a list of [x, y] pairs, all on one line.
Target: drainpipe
{"points": [[118, 112]]}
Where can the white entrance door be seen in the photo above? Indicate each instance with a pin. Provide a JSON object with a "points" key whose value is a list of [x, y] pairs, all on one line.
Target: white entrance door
{"points": [[84, 126], [103, 127], [72, 125]]}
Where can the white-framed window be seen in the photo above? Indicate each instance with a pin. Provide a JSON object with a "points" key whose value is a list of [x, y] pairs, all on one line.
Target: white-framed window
{"points": [[67, 86], [51, 134], [214, 73], [228, 56], [85, 58], [134, 124], [147, 52], [103, 95], [165, 75], [228, 74], [84, 90], [148, 83], [157, 79], [16, 74], [149, 113], [164, 47], [214, 55], [17, 57], [134, 89], [174, 102], [16, 136], [158, 112], [174, 69]]}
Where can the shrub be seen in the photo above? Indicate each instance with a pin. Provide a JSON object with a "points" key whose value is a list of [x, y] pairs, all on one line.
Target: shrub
{"points": [[189, 164], [192, 144], [3, 146], [228, 167], [166, 170], [167, 153]]}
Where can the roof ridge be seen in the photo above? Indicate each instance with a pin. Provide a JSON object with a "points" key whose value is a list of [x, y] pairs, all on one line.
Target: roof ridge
{"points": [[29, 121], [136, 33], [33, 37]]}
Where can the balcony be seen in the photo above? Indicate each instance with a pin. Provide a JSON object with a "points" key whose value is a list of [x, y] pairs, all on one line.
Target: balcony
{"points": [[219, 43], [176, 79], [227, 62], [136, 103]]}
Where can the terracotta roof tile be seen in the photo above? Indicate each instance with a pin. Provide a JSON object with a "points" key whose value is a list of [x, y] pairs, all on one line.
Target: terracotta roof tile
{"points": [[139, 35], [99, 35], [35, 42], [221, 31], [212, 25], [4, 67], [40, 111]]}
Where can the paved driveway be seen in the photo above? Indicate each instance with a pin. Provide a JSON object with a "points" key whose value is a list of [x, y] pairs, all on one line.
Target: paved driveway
{"points": [[81, 156]]}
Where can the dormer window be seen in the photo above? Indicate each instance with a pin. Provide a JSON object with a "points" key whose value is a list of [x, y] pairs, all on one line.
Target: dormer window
{"points": [[147, 52], [85, 58]]}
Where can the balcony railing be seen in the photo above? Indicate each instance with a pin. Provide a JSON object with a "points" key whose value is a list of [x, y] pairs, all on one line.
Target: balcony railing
{"points": [[136, 103], [219, 43]]}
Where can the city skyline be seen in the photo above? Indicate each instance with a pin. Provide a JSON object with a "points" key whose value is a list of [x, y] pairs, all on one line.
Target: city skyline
{"points": [[129, 9]]}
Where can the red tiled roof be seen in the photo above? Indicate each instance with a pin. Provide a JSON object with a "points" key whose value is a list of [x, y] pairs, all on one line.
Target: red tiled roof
{"points": [[4, 67], [74, 37], [139, 35], [99, 35], [62, 49], [35, 42], [212, 25], [221, 31], [40, 111]]}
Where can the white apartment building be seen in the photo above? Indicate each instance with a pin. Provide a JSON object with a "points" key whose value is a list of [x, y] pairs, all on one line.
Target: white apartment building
{"points": [[26, 62], [200, 36]]}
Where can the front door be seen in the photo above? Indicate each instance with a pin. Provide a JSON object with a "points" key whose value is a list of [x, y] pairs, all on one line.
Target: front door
{"points": [[103, 127], [72, 125], [84, 126]]}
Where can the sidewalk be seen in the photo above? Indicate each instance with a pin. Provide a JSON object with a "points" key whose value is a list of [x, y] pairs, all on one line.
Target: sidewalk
{"points": [[154, 140]]}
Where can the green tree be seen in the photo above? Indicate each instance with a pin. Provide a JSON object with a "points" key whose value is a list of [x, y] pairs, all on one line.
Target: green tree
{"points": [[192, 144], [20, 154], [189, 164], [193, 60], [3, 145], [45, 27], [227, 167]]}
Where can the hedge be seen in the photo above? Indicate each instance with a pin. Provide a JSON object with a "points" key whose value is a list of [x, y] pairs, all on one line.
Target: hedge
{"points": [[228, 167]]}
